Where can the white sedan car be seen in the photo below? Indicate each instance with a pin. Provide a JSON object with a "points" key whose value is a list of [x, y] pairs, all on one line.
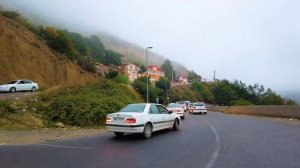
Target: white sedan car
{"points": [[199, 107], [176, 108], [142, 118], [19, 85]]}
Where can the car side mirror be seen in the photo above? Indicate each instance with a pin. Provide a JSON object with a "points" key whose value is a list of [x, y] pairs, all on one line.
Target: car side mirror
{"points": [[170, 112]]}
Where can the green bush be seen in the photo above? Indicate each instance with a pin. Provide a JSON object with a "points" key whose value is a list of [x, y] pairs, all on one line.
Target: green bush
{"points": [[121, 79], [89, 105], [5, 108], [241, 102]]}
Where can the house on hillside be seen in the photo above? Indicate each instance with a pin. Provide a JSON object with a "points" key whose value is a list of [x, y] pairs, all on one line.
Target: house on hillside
{"points": [[181, 79], [132, 71], [154, 73]]}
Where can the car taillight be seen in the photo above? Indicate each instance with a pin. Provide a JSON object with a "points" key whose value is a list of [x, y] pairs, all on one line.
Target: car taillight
{"points": [[131, 120], [108, 120]]}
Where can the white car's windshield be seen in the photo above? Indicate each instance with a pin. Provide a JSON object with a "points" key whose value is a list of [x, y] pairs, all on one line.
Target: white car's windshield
{"points": [[136, 108]]}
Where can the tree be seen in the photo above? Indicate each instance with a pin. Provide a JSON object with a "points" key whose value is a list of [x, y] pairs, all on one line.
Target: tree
{"points": [[194, 77], [112, 58], [167, 68], [143, 69], [223, 93]]}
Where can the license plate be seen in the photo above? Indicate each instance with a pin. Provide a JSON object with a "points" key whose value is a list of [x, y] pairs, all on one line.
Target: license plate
{"points": [[118, 119]]}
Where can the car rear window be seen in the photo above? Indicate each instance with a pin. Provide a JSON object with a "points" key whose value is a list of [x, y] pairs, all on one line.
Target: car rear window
{"points": [[135, 108], [199, 104], [174, 106]]}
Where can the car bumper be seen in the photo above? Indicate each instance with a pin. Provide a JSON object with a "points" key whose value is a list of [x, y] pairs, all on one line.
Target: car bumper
{"points": [[125, 128], [4, 89], [180, 114], [199, 111]]}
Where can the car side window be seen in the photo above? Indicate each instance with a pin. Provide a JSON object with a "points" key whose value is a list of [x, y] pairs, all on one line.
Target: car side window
{"points": [[154, 110], [27, 82], [21, 82], [162, 109]]}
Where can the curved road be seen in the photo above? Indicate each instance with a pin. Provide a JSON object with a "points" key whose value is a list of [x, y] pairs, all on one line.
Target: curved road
{"points": [[203, 141]]}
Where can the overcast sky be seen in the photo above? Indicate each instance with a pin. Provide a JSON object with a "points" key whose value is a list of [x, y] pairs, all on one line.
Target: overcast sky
{"points": [[256, 41]]}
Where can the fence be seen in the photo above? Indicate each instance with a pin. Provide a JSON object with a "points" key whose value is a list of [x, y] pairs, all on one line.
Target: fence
{"points": [[284, 111]]}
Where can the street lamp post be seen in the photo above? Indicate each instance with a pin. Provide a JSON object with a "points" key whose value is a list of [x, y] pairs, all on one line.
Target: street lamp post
{"points": [[147, 73]]}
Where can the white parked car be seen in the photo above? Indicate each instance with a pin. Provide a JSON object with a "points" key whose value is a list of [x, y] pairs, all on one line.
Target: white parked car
{"points": [[19, 85], [199, 107], [176, 108], [142, 118]]}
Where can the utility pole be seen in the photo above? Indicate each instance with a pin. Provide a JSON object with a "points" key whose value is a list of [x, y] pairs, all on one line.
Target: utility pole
{"points": [[214, 75], [147, 73]]}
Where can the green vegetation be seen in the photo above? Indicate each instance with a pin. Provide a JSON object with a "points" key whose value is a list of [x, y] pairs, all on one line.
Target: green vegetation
{"points": [[79, 106], [227, 93], [194, 77], [168, 69], [158, 91]]}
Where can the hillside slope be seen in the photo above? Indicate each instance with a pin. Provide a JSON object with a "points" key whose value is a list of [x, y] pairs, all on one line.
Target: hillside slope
{"points": [[136, 54], [25, 56]]}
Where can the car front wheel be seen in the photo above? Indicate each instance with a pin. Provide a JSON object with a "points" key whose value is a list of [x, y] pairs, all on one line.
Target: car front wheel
{"points": [[147, 131], [176, 124], [33, 89], [12, 90]]}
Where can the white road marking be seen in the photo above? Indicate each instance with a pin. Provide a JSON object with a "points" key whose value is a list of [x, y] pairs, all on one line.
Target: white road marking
{"points": [[65, 147], [215, 153]]}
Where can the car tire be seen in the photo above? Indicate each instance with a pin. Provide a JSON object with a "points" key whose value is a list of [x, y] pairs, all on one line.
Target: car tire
{"points": [[119, 134], [147, 133], [12, 90], [33, 89], [176, 124]]}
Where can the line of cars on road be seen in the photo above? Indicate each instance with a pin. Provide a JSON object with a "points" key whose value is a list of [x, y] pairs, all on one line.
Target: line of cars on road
{"points": [[146, 118]]}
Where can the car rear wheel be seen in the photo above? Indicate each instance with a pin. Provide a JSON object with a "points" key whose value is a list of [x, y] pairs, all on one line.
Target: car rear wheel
{"points": [[176, 124], [147, 133], [12, 90], [33, 89], [119, 134]]}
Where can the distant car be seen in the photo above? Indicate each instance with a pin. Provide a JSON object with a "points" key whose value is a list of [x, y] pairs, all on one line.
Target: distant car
{"points": [[183, 105], [199, 107], [142, 118], [19, 85], [176, 108]]}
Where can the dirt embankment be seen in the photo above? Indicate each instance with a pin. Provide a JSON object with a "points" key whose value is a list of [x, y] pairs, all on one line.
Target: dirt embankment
{"points": [[283, 111], [25, 56]]}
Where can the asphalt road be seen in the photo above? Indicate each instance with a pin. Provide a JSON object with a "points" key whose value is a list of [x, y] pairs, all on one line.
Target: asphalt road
{"points": [[203, 141]]}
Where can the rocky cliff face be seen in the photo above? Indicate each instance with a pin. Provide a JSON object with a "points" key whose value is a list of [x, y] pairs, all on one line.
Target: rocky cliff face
{"points": [[24, 56]]}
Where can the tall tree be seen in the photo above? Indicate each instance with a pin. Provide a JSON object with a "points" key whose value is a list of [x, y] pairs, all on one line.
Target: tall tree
{"points": [[168, 69]]}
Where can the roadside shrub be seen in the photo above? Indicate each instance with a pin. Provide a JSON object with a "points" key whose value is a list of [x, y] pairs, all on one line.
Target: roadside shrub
{"points": [[5, 108], [241, 102], [87, 106], [121, 79]]}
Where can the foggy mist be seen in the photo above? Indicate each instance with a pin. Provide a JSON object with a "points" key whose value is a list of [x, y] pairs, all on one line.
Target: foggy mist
{"points": [[256, 41]]}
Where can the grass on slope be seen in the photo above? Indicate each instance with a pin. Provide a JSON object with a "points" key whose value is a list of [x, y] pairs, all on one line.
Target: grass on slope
{"points": [[77, 106]]}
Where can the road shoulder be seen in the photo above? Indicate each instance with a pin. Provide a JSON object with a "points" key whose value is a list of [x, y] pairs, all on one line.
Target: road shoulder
{"points": [[44, 135]]}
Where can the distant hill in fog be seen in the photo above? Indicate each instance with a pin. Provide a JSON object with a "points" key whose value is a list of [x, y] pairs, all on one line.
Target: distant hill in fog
{"points": [[295, 95], [136, 54]]}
